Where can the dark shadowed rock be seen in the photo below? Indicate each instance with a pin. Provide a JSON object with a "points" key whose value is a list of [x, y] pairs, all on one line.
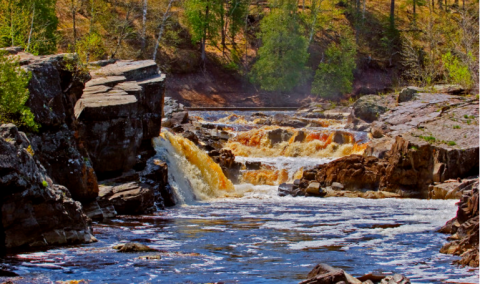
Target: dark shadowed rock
{"points": [[464, 228], [34, 211], [118, 111]]}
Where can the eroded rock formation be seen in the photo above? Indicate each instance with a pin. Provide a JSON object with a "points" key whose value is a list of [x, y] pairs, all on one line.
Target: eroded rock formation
{"points": [[34, 210]]}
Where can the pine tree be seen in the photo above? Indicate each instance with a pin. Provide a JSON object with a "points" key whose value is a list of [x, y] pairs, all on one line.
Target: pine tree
{"points": [[282, 57]]}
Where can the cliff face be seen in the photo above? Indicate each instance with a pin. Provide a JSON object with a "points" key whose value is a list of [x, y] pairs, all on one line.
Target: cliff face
{"points": [[119, 113], [35, 210], [103, 126]]}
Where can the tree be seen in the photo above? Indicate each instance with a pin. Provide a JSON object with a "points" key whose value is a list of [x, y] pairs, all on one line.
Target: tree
{"points": [[283, 55], [31, 24], [203, 19], [334, 76], [14, 94]]}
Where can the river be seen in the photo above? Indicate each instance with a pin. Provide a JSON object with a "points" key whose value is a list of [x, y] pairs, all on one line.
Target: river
{"points": [[246, 233]]}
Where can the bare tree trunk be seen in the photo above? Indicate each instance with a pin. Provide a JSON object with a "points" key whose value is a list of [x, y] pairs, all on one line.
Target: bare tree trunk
{"points": [[392, 14], [204, 39], [166, 15], [74, 12], [31, 29], [440, 4], [122, 33], [144, 24], [364, 8]]}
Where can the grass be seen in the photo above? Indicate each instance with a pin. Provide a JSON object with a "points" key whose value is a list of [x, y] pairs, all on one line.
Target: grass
{"points": [[413, 147], [451, 143], [456, 127], [429, 139]]}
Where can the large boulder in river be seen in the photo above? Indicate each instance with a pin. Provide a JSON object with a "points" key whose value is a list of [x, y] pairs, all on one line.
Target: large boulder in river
{"points": [[119, 112], [129, 198], [34, 210]]}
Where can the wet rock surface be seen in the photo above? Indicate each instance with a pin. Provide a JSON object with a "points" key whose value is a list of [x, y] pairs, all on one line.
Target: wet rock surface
{"points": [[464, 228], [35, 211], [134, 247], [129, 198], [325, 274]]}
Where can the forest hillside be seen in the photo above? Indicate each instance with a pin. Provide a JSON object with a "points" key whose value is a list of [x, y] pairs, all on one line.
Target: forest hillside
{"points": [[329, 48]]}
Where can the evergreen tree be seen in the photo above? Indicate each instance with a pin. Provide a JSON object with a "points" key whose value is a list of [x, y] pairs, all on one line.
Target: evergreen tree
{"points": [[282, 57], [334, 76]]}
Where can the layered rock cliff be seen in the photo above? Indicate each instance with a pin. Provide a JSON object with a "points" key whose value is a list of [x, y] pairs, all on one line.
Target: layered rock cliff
{"points": [[103, 128]]}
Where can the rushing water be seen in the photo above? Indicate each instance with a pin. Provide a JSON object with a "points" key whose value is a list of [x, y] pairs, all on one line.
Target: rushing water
{"points": [[247, 234]]}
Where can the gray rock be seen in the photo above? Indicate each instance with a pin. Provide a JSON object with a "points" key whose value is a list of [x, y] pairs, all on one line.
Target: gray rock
{"points": [[134, 247], [337, 186], [130, 198]]}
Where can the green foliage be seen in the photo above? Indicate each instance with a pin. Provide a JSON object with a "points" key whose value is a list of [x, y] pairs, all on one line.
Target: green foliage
{"points": [[14, 94], [458, 72], [91, 47], [21, 20], [429, 139], [334, 75], [203, 18], [283, 55], [451, 143], [45, 183], [456, 127]]}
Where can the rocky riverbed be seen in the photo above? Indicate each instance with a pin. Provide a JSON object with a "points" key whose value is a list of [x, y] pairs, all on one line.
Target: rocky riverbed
{"points": [[275, 185]]}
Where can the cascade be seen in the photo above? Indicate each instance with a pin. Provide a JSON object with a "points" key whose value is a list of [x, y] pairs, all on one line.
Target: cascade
{"points": [[192, 173]]}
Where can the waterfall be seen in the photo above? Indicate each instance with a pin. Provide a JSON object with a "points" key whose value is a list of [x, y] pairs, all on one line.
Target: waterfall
{"points": [[193, 175]]}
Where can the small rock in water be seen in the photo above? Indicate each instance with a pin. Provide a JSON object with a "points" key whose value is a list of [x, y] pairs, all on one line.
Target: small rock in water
{"points": [[337, 186], [253, 165], [395, 279], [151, 257], [133, 247]]}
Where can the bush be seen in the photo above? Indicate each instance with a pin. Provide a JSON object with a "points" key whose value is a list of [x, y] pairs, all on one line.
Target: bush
{"points": [[334, 75], [458, 72], [14, 94]]}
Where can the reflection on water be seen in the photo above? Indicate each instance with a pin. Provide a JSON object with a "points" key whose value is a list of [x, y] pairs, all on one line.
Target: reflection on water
{"points": [[261, 240], [245, 233]]}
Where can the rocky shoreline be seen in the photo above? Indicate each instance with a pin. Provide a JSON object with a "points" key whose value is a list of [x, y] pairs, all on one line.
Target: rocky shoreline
{"points": [[89, 158], [93, 157]]}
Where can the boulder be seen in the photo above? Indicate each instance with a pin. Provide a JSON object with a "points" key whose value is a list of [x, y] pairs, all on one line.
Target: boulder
{"points": [[129, 198], [285, 189], [395, 279], [326, 274], [34, 210], [253, 165], [354, 172], [156, 176], [369, 108], [279, 135], [134, 247], [118, 112], [465, 228]]}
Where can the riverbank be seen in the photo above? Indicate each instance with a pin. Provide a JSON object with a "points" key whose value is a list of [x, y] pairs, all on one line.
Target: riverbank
{"points": [[99, 156]]}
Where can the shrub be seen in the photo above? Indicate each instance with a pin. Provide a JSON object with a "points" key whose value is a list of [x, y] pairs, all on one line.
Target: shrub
{"points": [[458, 72], [14, 94]]}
